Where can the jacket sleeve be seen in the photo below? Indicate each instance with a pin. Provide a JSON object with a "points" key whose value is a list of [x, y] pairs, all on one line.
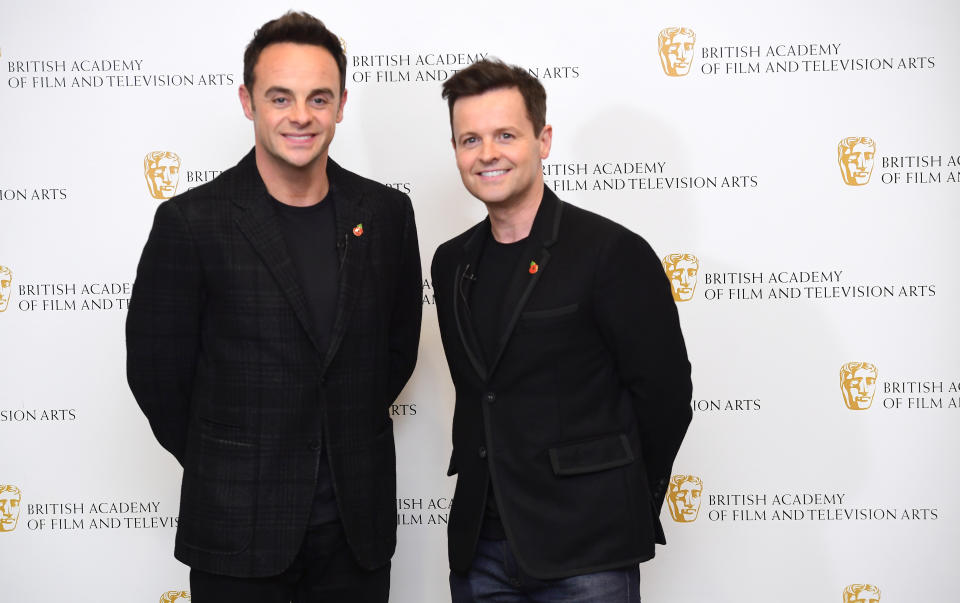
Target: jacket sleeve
{"points": [[639, 323], [407, 307], [163, 328]]}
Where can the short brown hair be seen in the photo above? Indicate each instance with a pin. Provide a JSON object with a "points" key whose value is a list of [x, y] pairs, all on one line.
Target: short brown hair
{"points": [[493, 74], [298, 28]]}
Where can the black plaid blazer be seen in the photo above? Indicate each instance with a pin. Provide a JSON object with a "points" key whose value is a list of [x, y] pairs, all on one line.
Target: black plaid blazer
{"points": [[223, 362]]}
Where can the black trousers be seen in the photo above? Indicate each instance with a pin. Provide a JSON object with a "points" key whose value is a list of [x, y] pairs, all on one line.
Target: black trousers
{"points": [[324, 571]]}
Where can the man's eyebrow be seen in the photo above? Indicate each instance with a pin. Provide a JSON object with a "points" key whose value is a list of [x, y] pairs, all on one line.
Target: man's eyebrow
{"points": [[289, 92], [277, 90]]}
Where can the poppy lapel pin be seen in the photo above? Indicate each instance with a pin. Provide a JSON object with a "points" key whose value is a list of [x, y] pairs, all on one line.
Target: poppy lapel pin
{"points": [[358, 229]]}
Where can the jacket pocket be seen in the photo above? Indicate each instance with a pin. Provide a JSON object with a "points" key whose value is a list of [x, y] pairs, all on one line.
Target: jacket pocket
{"points": [[537, 318], [592, 455], [219, 492]]}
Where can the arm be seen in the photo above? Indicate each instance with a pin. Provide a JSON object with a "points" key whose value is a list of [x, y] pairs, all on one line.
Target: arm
{"points": [[639, 323], [407, 307], [163, 328]]}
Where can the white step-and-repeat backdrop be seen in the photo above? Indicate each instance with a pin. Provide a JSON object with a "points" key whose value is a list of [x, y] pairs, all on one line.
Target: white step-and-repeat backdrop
{"points": [[796, 164]]}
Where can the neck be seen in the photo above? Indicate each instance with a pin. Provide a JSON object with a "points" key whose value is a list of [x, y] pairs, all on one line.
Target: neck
{"points": [[293, 185], [511, 222]]}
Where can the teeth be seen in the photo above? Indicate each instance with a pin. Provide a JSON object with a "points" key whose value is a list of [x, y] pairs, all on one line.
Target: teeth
{"points": [[301, 137], [493, 173]]}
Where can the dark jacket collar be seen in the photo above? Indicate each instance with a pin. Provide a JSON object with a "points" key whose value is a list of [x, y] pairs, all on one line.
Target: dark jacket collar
{"points": [[543, 235], [258, 222]]}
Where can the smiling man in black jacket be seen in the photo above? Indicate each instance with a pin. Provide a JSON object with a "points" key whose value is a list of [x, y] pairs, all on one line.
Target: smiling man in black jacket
{"points": [[275, 318], [571, 374]]}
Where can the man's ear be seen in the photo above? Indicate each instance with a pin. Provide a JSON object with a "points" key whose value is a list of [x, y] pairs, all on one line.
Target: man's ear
{"points": [[246, 101], [546, 139]]}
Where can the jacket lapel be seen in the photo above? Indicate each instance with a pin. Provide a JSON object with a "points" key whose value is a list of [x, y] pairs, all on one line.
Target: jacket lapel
{"points": [[543, 235], [258, 222], [354, 231], [462, 284]]}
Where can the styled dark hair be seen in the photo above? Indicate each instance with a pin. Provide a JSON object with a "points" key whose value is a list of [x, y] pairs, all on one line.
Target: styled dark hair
{"points": [[299, 28], [493, 74]]}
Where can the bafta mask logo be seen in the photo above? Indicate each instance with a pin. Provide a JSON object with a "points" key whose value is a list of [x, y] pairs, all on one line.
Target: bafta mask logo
{"points": [[858, 380], [676, 50], [682, 271], [683, 497], [6, 286], [162, 171], [175, 595], [861, 593], [855, 154], [9, 507]]}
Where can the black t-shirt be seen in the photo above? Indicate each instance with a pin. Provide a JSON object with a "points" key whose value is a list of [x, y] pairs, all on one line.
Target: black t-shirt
{"points": [[311, 237], [498, 264]]}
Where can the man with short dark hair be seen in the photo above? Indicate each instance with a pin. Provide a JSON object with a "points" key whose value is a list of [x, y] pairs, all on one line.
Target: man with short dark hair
{"points": [[571, 375], [274, 319]]}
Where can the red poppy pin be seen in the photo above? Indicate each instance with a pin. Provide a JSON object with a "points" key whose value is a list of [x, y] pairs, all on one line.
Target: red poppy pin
{"points": [[533, 267], [358, 229]]}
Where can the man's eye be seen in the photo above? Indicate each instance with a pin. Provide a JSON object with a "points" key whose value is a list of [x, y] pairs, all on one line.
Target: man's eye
{"points": [[506, 135], [319, 101], [279, 101]]}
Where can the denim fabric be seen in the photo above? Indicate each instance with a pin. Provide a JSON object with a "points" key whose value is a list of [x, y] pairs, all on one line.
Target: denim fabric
{"points": [[495, 577]]}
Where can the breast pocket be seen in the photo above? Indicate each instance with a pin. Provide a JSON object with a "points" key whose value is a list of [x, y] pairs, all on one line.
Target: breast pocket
{"points": [[550, 317]]}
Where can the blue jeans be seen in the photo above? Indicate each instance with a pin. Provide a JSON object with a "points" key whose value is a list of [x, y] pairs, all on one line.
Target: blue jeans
{"points": [[496, 577]]}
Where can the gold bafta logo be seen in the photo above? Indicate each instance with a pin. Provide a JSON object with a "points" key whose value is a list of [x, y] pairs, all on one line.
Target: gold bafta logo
{"points": [[682, 271], [858, 380], [676, 50], [162, 172], [855, 154], [861, 593], [175, 595], [683, 497], [6, 285], [9, 507]]}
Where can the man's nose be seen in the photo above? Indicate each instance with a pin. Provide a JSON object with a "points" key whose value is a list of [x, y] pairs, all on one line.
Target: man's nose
{"points": [[488, 151], [300, 114]]}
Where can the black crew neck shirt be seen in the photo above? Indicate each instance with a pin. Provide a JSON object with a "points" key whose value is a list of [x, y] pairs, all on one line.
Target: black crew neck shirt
{"points": [[311, 237]]}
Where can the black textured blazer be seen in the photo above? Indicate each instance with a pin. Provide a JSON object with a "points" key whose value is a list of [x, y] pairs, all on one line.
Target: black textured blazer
{"points": [[223, 361]]}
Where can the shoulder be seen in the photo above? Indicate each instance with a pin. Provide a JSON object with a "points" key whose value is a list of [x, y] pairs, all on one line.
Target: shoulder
{"points": [[217, 193], [586, 227], [374, 193]]}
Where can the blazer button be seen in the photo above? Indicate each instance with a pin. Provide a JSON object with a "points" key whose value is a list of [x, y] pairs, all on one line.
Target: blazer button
{"points": [[482, 452], [490, 397]]}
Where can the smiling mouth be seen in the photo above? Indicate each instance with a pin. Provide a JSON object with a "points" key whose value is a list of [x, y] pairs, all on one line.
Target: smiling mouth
{"points": [[298, 137], [493, 173]]}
